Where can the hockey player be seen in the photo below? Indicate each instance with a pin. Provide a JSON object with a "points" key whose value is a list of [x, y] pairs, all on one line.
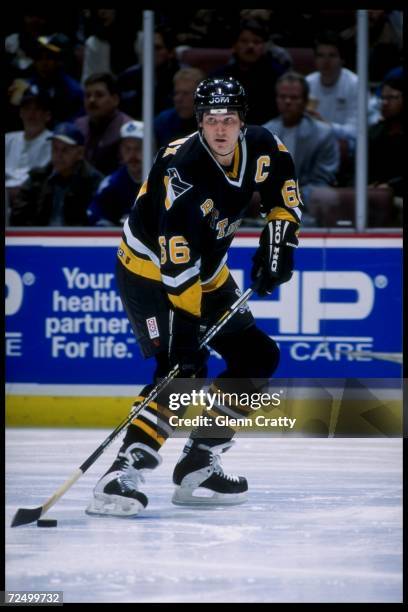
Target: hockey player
{"points": [[173, 278]]}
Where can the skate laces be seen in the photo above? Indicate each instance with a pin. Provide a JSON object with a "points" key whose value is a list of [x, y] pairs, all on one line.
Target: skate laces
{"points": [[215, 460], [129, 480], [218, 469]]}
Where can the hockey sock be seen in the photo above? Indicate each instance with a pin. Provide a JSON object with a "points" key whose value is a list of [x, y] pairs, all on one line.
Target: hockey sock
{"points": [[224, 402], [150, 426]]}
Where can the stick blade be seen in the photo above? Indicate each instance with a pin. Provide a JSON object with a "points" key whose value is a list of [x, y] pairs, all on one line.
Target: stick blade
{"points": [[23, 516]]}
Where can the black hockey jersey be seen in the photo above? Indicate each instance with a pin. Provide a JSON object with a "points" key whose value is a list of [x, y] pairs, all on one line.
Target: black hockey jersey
{"points": [[187, 212]]}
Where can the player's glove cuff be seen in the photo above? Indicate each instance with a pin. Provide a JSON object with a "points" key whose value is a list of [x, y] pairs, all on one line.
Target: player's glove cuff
{"points": [[273, 260]]}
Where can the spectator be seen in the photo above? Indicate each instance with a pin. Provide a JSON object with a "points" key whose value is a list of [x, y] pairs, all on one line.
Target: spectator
{"points": [[59, 193], [166, 65], [311, 143], [117, 192], [385, 36], [334, 91], [20, 46], [294, 28], [110, 48], [101, 125], [209, 28], [254, 66], [386, 142], [48, 74], [279, 54], [179, 121], [29, 147]]}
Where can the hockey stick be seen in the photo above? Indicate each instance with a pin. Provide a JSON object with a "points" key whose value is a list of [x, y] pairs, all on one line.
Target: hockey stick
{"points": [[24, 516]]}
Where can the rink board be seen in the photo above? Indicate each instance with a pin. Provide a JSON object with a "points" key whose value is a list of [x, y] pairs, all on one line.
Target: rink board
{"points": [[378, 417], [70, 350]]}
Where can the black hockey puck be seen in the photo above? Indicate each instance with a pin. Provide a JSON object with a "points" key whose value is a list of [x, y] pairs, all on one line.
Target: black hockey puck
{"points": [[47, 523]]}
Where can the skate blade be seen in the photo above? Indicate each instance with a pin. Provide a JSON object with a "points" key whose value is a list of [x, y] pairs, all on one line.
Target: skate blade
{"points": [[113, 505], [205, 497]]}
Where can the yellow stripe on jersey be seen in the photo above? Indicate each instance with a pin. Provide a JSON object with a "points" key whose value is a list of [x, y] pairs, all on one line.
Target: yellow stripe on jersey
{"points": [[179, 141], [216, 282], [170, 151], [234, 172], [168, 201], [189, 300], [280, 144], [142, 190], [282, 214], [137, 265], [174, 146]]}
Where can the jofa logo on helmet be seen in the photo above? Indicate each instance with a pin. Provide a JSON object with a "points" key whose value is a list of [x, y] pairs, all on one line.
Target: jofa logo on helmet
{"points": [[220, 100]]}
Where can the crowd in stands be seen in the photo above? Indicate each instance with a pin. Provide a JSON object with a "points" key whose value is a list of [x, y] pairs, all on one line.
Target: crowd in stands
{"points": [[74, 131]]}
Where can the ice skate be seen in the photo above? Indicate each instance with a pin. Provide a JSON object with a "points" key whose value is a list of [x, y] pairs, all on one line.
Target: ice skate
{"points": [[201, 480], [117, 492]]}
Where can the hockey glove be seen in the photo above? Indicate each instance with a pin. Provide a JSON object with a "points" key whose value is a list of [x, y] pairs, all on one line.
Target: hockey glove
{"points": [[273, 260], [184, 345]]}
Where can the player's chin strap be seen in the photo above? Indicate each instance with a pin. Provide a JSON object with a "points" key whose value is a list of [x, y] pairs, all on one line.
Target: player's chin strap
{"points": [[24, 516]]}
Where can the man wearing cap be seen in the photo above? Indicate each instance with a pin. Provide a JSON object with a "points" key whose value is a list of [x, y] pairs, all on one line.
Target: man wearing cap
{"points": [[30, 146], [117, 192], [47, 72], [59, 193]]}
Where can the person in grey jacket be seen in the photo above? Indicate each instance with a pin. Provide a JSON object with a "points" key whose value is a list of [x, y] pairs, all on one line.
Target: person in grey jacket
{"points": [[312, 144], [59, 193]]}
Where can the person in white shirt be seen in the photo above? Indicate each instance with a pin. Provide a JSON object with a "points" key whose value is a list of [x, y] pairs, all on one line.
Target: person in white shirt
{"points": [[30, 147], [334, 90]]}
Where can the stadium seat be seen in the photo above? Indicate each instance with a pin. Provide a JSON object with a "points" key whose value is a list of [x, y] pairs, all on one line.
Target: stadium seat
{"points": [[303, 59], [337, 19], [380, 208], [207, 60]]}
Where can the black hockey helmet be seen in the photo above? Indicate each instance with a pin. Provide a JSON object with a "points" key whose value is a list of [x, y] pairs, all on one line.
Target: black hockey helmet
{"points": [[220, 93]]}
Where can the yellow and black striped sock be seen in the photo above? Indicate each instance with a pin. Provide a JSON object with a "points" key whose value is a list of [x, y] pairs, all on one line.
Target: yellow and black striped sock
{"points": [[230, 408], [150, 426]]}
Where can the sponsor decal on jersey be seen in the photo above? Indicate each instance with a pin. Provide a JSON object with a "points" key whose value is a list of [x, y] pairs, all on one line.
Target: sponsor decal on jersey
{"points": [[152, 328]]}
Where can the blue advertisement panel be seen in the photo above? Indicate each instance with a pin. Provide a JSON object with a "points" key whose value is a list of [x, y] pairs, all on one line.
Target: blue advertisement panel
{"points": [[65, 324]]}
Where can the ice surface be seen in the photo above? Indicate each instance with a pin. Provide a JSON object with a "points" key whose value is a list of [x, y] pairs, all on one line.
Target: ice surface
{"points": [[323, 524]]}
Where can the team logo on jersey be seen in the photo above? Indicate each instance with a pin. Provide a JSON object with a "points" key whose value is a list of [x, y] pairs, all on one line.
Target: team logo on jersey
{"points": [[175, 186]]}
